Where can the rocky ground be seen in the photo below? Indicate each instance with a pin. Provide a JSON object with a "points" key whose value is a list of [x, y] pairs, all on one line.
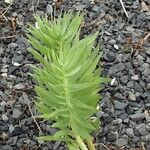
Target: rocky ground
{"points": [[124, 114]]}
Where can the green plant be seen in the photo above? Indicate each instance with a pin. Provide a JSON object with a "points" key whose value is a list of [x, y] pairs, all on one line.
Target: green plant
{"points": [[68, 81]]}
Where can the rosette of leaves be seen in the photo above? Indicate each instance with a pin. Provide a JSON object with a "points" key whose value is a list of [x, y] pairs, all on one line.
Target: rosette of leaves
{"points": [[69, 79]]}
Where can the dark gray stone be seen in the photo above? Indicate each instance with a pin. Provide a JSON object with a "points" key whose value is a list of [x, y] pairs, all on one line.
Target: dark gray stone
{"points": [[138, 87], [24, 99], [106, 118], [137, 117], [142, 130], [117, 121], [115, 68], [129, 132], [146, 138], [11, 128], [7, 147], [147, 52], [16, 113], [12, 140], [121, 142], [147, 106], [56, 145], [130, 84], [109, 56], [119, 96], [96, 8], [18, 58], [113, 136], [146, 72], [79, 7], [99, 114], [124, 79], [12, 46], [120, 105], [131, 96], [135, 139]]}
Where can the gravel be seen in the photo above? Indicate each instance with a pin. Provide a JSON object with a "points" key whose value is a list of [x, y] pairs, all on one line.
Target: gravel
{"points": [[16, 113], [125, 104], [121, 142]]}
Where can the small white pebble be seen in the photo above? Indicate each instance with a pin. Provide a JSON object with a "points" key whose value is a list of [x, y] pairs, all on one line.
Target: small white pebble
{"points": [[93, 119], [16, 64], [8, 1], [116, 46], [4, 74], [19, 86], [135, 77], [114, 81]]}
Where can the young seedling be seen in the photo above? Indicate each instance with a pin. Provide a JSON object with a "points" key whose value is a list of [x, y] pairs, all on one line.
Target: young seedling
{"points": [[68, 81]]}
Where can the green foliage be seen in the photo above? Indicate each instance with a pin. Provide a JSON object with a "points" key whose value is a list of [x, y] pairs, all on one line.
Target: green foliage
{"points": [[68, 82]]}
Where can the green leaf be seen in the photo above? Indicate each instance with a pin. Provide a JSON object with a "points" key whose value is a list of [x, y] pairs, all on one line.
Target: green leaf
{"points": [[79, 130], [73, 146], [80, 104], [58, 136], [80, 86], [37, 55], [96, 124]]}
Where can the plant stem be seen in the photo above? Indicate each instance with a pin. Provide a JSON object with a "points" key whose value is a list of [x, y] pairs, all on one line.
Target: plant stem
{"points": [[90, 144], [80, 142]]}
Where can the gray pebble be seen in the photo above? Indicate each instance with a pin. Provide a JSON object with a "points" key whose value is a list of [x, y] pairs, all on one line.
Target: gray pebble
{"points": [[142, 130], [147, 106], [12, 46], [16, 113], [124, 79], [121, 142], [120, 105], [4, 70], [96, 8], [7, 147], [147, 52], [79, 7], [49, 9], [129, 132], [11, 128], [19, 86], [146, 72], [135, 139], [109, 56], [130, 84], [132, 96], [56, 145], [113, 136], [114, 82], [135, 77], [4, 117], [137, 117]]}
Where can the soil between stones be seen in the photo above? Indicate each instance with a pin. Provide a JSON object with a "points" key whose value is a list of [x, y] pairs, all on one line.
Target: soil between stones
{"points": [[125, 105]]}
